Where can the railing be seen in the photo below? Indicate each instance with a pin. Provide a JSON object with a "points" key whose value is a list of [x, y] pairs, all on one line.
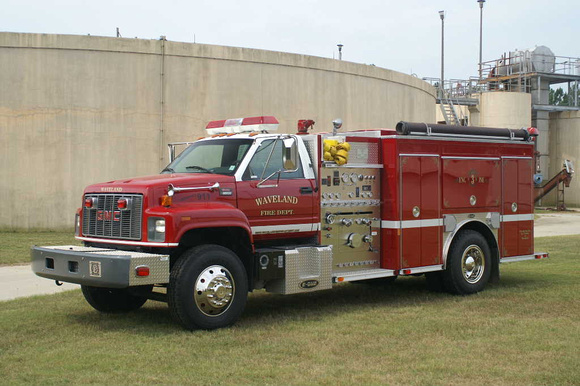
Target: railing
{"points": [[520, 63], [510, 73], [457, 88]]}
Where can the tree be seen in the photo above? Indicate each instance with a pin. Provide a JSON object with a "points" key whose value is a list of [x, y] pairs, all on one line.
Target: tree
{"points": [[558, 97]]}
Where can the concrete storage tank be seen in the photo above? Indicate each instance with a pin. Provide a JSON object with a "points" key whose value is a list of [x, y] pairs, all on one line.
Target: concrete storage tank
{"points": [[81, 109], [505, 109]]}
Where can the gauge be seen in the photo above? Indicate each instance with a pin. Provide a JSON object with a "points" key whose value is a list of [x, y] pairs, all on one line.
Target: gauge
{"points": [[330, 218], [344, 177], [353, 177]]}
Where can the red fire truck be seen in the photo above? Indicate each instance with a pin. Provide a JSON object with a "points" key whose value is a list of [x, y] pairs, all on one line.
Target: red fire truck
{"points": [[247, 209]]}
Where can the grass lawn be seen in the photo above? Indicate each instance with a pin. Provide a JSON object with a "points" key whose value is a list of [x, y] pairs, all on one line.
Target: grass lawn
{"points": [[16, 245], [523, 331]]}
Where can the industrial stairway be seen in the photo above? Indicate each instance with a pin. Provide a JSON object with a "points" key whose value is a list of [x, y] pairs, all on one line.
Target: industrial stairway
{"points": [[449, 113]]}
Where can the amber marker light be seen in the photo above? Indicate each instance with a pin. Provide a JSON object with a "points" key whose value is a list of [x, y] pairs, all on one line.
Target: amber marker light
{"points": [[166, 200]]}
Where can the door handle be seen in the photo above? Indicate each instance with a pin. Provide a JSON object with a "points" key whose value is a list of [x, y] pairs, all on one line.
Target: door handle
{"points": [[306, 190]]}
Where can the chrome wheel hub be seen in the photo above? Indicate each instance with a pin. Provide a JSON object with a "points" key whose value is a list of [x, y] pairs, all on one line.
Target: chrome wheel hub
{"points": [[473, 264], [214, 290]]}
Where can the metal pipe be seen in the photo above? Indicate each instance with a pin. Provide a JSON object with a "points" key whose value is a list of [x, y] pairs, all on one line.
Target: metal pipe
{"points": [[407, 128], [480, 36], [441, 84], [162, 102]]}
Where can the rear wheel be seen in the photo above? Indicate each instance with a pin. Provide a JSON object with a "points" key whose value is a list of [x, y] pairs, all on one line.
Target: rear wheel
{"points": [[208, 288], [468, 264], [113, 300]]}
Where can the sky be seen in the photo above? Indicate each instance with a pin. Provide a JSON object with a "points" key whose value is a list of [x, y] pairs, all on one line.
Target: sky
{"points": [[402, 35]]}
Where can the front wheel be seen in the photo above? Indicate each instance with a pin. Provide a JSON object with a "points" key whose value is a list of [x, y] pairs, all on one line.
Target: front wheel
{"points": [[208, 288], [468, 264]]}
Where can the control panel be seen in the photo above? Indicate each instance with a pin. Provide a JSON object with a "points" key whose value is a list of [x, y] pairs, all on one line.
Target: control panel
{"points": [[350, 209]]}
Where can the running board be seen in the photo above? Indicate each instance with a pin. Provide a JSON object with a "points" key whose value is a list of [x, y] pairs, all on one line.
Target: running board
{"points": [[535, 256], [362, 275]]}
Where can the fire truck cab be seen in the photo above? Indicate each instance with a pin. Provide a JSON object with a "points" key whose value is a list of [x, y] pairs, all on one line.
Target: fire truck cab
{"points": [[247, 209]]}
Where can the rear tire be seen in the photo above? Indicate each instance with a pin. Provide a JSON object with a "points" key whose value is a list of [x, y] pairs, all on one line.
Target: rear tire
{"points": [[116, 300], [208, 288], [468, 265]]}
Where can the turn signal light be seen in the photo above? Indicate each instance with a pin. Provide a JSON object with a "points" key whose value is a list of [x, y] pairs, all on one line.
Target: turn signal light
{"points": [[406, 272], [142, 270], [122, 203], [89, 202], [166, 200]]}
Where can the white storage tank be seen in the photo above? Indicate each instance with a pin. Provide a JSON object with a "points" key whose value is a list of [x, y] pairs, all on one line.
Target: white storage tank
{"points": [[537, 59]]}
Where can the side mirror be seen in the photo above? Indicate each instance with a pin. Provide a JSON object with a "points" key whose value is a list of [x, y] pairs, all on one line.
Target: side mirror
{"points": [[290, 157]]}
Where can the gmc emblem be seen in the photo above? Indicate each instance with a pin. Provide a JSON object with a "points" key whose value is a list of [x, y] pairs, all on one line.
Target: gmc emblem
{"points": [[108, 215]]}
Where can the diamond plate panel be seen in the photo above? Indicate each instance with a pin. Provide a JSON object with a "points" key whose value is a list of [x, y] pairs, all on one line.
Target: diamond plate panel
{"points": [[310, 142], [77, 248], [304, 267], [363, 153], [158, 268]]}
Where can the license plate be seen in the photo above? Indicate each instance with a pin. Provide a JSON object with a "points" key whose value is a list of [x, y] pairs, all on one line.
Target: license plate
{"points": [[95, 268]]}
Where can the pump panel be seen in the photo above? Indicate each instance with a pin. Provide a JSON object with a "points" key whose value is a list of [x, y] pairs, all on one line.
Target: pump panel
{"points": [[350, 210]]}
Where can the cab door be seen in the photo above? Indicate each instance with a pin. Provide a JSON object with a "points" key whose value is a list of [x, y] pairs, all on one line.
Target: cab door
{"points": [[281, 206]]}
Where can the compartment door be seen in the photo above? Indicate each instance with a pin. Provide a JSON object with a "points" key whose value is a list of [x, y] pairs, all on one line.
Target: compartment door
{"points": [[421, 224], [517, 228]]}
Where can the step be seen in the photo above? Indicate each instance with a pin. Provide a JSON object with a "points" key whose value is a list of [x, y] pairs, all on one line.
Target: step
{"points": [[363, 274]]}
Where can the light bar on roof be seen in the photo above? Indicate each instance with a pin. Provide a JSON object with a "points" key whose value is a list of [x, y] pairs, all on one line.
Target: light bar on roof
{"points": [[243, 125]]}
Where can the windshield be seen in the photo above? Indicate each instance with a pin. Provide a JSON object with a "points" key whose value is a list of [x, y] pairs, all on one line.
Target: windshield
{"points": [[220, 156]]}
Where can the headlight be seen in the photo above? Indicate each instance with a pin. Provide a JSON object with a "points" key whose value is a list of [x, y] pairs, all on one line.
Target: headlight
{"points": [[156, 229], [160, 226]]}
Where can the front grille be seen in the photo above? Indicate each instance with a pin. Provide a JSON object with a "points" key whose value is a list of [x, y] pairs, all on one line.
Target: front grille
{"points": [[106, 220]]}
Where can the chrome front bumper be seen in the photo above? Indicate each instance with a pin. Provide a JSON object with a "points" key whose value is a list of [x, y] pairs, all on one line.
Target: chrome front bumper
{"points": [[99, 267]]}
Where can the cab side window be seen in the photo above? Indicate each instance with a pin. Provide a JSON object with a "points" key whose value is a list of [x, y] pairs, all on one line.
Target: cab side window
{"points": [[258, 169]]}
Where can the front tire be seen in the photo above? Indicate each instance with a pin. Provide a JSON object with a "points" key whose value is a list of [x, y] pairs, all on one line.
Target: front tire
{"points": [[208, 288], [116, 300], [468, 264]]}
